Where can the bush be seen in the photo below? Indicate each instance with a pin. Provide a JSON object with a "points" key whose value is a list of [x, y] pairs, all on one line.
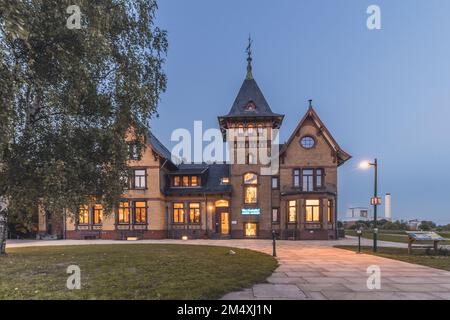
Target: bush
{"points": [[441, 252]]}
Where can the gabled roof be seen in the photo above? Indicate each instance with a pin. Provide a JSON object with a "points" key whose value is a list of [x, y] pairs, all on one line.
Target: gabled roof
{"points": [[158, 147], [342, 156]]}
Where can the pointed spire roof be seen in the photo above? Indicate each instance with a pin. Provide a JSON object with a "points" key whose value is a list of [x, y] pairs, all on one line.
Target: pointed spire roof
{"points": [[250, 101]]}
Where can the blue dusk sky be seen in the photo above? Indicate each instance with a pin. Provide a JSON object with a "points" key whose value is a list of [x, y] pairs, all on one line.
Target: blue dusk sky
{"points": [[382, 93]]}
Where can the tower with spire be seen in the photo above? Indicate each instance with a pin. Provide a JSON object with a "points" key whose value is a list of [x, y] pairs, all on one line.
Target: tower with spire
{"points": [[248, 128]]}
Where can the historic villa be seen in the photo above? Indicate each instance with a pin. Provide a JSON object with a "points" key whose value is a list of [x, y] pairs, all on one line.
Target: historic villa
{"points": [[226, 200]]}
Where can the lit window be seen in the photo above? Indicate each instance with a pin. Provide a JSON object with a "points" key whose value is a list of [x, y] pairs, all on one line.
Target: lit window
{"points": [[225, 180], [222, 204], [98, 214], [124, 212], [194, 212], [292, 213], [83, 215], [251, 195], [250, 178], [274, 182], [178, 213], [139, 179], [194, 181], [330, 211], [185, 181], [312, 210], [307, 142], [176, 181], [251, 229], [250, 188], [275, 216], [140, 212]]}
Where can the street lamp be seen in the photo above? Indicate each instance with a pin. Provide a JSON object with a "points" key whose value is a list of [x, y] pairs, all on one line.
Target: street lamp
{"points": [[375, 201]]}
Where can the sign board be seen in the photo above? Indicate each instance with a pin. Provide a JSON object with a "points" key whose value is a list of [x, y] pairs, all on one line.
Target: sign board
{"points": [[252, 211], [375, 201], [234, 222], [425, 236]]}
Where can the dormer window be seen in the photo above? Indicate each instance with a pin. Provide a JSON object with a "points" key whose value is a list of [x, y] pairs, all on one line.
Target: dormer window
{"points": [[194, 181], [185, 181], [177, 181], [250, 106]]}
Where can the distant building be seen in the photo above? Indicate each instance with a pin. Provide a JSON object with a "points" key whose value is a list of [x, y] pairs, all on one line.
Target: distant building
{"points": [[413, 225], [356, 214]]}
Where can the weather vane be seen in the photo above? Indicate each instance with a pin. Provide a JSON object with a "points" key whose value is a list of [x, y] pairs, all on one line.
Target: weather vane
{"points": [[249, 59], [249, 47]]}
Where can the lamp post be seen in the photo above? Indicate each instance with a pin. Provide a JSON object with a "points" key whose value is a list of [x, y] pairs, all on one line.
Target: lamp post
{"points": [[374, 201], [359, 233], [274, 244]]}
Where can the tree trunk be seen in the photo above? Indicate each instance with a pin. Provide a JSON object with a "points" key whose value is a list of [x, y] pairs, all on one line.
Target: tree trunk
{"points": [[3, 232]]}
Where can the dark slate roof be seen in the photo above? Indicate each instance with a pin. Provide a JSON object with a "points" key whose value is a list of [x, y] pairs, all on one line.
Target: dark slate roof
{"points": [[158, 147], [190, 169], [250, 92], [213, 173]]}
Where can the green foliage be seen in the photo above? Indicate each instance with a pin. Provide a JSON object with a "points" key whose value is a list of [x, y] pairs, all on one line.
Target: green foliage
{"points": [[440, 252], [444, 227], [68, 97], [427, 225]]}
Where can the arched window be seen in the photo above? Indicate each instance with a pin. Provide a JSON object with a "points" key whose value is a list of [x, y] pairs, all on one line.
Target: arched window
{"points": [[250, 188], [241, 129], [222, 204], [260, 129], [250, 129]]}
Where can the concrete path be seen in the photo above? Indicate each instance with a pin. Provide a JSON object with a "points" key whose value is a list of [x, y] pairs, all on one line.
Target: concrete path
{"points": [[316, 270]]}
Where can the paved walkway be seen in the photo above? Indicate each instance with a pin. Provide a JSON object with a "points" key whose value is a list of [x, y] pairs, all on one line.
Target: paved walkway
{"points": [[316, 270]]}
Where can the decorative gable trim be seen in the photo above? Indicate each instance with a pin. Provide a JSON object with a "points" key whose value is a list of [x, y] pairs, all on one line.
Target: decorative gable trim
{"points": [[338, 154]]}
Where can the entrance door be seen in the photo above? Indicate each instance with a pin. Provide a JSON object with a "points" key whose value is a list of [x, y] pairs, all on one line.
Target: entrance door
{"points": [[222, 221]]}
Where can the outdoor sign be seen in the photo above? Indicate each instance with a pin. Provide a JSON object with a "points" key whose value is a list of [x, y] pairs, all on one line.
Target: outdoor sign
{"points": [[425, 236], [375, 201], [252, 212], [234, 222]]}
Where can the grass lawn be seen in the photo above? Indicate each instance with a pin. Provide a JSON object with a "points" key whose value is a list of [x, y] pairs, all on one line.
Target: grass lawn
{"points": [[418, 256], [383, 236], [131, 271]]}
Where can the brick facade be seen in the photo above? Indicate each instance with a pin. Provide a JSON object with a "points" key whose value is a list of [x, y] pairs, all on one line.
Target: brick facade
{"points": [[295, 209]]}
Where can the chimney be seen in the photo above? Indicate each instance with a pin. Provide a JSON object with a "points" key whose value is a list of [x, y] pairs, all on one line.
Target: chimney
{"points": [[387, 207]]}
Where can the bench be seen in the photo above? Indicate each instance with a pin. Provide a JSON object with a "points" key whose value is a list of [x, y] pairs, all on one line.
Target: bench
{"points": [[420, 236]]}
